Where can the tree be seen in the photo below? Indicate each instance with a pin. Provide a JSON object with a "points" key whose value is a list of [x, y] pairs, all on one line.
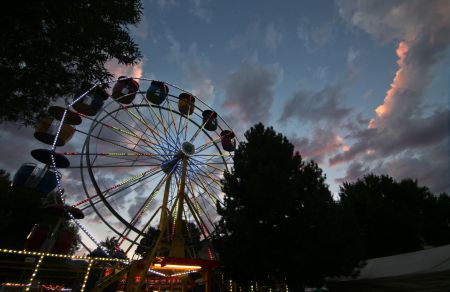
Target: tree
{"points": [[111, 245], [191, 236], [395, 217], [150, 236], [279, 221], [50, 48]]}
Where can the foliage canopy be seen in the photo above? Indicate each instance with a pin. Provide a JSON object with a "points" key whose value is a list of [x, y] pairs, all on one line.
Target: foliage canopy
{"points": [[49, 48], [395, 217], [279, 221]]}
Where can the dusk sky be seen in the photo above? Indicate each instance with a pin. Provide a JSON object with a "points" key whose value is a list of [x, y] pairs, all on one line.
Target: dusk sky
{"points": [[358, 86]]}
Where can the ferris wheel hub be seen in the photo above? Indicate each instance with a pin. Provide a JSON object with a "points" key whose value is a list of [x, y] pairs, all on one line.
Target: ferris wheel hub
{"points": [[187, 148]]}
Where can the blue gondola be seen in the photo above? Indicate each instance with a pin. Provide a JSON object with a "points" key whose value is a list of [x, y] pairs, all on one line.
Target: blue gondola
{"points": [[157, 92], [31, 176], [228, 140]]}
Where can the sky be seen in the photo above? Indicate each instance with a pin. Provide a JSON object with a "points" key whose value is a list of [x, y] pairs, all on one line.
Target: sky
{"points": [[358, 86]]}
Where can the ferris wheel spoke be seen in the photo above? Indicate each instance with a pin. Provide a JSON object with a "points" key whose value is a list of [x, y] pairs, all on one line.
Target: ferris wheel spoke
{"points": [[129, 131], [207, 145], [114, 165], [111, 141], [177, 133], [127, 183], [115, 196], [209, 164], [136, 118], [138, 234], [125, 134], [197, 204], [206, 174], [168, 125], [187, 125], [117, 144], [121, 156], [206, 233], [153, 129], [159, 123], [199, 130], [210, 185], [199, 183], [141, 119], [149, 200]]}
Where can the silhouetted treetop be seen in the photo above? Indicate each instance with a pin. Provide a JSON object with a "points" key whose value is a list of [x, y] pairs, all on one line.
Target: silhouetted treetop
{"points": [[49, 48]]}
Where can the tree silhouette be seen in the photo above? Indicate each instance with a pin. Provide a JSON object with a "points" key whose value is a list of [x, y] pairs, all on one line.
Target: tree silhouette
{"points": [[395, 217], [50, 48], [279, 221], [191, 236], [111, 245]]}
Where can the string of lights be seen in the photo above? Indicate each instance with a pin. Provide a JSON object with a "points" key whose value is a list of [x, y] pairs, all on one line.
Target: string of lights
{"points": [[157, 273], [36, 269], [73, 257], [88, 271]]}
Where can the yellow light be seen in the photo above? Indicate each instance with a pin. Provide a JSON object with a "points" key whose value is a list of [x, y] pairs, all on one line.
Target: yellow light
{"points": [[175, 267]]}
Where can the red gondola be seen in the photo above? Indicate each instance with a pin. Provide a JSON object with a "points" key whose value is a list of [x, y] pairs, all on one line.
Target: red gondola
{"points": [[210, 120], [125, 89], [228, 140], [92, 102]]}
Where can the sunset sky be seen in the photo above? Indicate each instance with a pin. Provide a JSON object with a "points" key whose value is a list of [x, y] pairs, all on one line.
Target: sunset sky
{"points": [[358, 86]]}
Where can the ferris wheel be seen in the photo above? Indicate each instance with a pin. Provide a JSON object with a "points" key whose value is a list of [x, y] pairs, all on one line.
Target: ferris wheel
{"points": [[137, 159]]}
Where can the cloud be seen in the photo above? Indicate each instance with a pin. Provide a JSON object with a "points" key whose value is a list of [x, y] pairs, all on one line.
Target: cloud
{"points": [[416, 133], [352, 56], [250, 91], [324, 104], [273, 37], [430, 167], [315, 36], [401, 123], [312, 106], [199, 10], [165, 4], [355, 170], [118, 70], [322, 143], [195, 68], [19, 143], [322, 72], [142, 29], [255, 36]]}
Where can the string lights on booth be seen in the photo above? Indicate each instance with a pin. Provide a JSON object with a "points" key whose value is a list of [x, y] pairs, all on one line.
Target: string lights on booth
{"points": [[73, 257], [36, 269], [88, 271], [157, 273]]}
